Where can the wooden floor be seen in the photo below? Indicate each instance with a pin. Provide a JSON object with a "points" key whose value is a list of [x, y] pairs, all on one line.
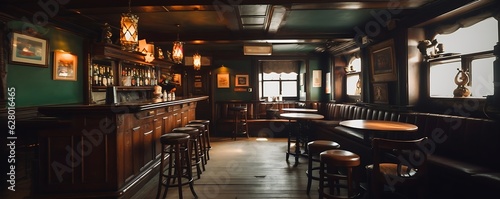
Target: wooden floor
{"points": [[245, 168]]}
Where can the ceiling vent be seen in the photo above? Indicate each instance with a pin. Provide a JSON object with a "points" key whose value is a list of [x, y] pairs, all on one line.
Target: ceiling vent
{"points": [[257, 49]]}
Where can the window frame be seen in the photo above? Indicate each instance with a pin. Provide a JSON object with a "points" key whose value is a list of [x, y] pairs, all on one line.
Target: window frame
{"points": [[465, 63], [261, 89]]}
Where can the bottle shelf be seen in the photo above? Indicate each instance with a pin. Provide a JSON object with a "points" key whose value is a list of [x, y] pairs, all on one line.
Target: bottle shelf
{"points": [[124, 88]]}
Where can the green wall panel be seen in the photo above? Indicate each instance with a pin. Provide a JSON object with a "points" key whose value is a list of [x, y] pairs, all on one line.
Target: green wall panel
{"points": [[233, 67], [34, 85]]}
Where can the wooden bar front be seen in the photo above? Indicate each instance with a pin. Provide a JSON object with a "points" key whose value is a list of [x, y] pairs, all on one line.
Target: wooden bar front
{"points": [[108, 151]]}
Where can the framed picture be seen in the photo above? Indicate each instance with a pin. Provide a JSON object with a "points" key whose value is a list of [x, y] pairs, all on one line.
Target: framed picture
{"points": [[380, 93], [28, 50], [328, 83], [177, 79], [241, 80], [316, 78], [382, 62], [65, 66], [223, 80]]}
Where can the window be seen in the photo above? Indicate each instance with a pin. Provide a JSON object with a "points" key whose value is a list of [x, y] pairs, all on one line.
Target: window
{"points": [[353, 84], [279, 78], [464, 49]]}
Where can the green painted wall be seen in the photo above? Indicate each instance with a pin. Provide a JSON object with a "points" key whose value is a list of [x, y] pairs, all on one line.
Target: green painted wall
{"points": [[233, 68], [34, 85]]}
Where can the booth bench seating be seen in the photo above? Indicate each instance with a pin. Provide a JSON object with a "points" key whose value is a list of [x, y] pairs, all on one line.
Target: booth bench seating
{"points": [[464, 153], [259, 122]]}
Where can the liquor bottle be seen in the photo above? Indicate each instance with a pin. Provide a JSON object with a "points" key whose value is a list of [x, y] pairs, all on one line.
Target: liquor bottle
{"points": [[100, 74], [95, 76], [110, 77], [133, 80]]}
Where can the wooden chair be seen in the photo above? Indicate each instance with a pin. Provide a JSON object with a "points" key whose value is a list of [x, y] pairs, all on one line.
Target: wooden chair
{"points": [[407, 168]]}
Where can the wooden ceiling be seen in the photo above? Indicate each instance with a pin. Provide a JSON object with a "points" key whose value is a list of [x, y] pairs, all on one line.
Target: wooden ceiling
{"points": [[223, 26]]}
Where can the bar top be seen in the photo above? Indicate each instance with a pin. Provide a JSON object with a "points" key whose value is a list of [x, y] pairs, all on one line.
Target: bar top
{"points": [[128, 107]]}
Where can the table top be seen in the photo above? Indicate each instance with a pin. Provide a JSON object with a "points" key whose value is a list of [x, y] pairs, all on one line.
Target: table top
{"points": [[305, 110], [379, 125], [303, 116]]}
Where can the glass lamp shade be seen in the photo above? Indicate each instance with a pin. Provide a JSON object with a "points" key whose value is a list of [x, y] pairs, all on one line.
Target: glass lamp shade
{"points": [[177, 52], [197, 61], [129, 36]]}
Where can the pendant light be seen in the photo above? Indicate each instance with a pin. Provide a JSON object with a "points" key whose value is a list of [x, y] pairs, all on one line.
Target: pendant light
{"points": [[197, 61], [129, 37], [177, 51]]}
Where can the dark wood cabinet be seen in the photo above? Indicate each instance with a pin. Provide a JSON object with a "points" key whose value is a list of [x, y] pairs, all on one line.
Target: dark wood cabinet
{"points": [[108, 151]]}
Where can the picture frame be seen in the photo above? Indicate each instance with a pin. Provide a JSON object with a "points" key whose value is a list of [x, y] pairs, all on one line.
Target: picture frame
{"points": [[223, 80], [28, 50], [65, 66], [380, 93], [316, 78], [241, 80], [383, 64], [177, 79]]}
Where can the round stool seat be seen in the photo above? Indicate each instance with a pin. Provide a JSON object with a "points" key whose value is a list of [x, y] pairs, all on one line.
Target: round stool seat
{"points": [[238, 108], [174, 138], [184, 129], [318, 146], [199, 121], [199, 126], [340, 158]]}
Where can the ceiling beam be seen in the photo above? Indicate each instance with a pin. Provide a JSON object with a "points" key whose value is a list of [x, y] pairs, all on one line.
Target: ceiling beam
{"points": [[225, 4]]}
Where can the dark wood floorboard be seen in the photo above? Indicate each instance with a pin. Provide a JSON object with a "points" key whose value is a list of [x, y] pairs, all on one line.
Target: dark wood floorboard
{"points": [[245, 168]]}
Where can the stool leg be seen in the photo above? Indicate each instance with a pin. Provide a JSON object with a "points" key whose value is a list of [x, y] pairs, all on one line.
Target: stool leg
{"points": [[246, 125], [160, 178], [309, 173], [321, 180], [178, 168], [189, 174]]}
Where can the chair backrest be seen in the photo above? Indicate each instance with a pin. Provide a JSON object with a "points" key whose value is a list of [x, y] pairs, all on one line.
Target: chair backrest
{"points": [[409, 158]]}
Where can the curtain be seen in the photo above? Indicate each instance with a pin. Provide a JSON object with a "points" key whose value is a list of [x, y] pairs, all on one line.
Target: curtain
{"points": [[465, 22], [280, 66]]}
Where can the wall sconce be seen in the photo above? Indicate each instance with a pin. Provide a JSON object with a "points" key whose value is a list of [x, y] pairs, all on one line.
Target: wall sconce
{"points": [[129, 36], [197, 61]]}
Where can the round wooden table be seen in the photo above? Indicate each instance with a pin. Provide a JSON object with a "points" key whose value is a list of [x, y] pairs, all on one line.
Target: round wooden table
{"points": [[302, 120], [372, 127], [300, 110]]}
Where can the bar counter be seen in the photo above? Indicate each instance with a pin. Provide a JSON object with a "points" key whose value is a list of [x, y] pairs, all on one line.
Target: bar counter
{"points": [[107, 151]]}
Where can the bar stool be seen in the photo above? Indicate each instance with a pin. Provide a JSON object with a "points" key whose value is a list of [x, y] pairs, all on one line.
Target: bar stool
{"points": [[201, 142], [330, 163], [315, 148], [194, 149], [177, 146], [240, 120], [207, 135]]}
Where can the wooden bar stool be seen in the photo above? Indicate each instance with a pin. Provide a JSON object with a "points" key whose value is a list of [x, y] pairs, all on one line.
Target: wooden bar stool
{"points": [[207, 135], [201, 143], [331, 162], [194, 149], [315, 148], [177, 146], [240, 121]]}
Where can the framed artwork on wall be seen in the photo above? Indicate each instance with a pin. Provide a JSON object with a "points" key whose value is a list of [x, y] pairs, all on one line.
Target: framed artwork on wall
{"points": [[223, 80], [380, 93], [316, 78], [241, 80], [65, 66], [28, 50], [177, 79], [383, 64]]}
